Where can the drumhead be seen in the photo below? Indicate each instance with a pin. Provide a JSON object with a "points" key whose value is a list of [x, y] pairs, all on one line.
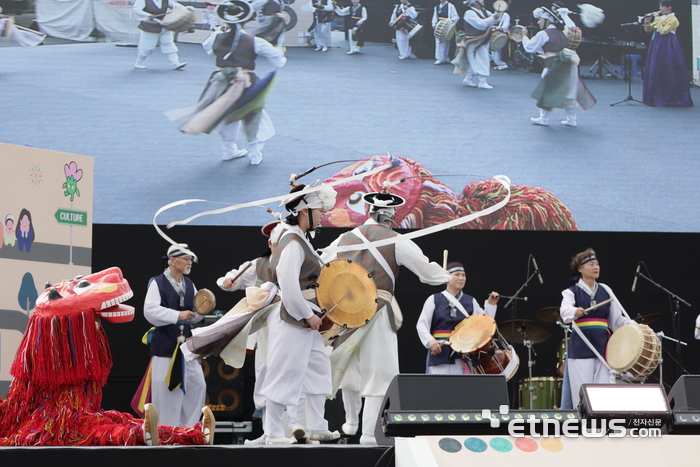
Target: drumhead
{"points": [[473, 333], [204, 302], [624, 347], [347, 293], [499, 40]]}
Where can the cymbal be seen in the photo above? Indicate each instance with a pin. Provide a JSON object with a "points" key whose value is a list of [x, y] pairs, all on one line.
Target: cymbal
{"points": [[534, 331], [647, 319], [549, 314]]}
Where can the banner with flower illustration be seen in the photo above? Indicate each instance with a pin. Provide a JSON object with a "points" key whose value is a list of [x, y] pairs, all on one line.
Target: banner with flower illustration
{"points": [[46, 235]]}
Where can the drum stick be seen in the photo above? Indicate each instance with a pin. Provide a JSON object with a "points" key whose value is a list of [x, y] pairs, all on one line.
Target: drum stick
{"points": [[599, 305], [444, 260], [241, 272], [513, 298]]}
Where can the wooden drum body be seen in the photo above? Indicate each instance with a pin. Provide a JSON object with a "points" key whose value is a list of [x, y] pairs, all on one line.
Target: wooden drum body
{"points": [[499, 39], [179, 20], [444, 30], [573, 37], [635, 349]]}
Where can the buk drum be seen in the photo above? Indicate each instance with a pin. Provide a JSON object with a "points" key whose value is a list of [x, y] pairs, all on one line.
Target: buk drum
{"points": [[634, 349], [546, 393], [517, 33], [483, 348], [499, 39], [406, 25], [444, 30], [573, 37], [179, 20], [346, 294], [204, 302], [561, 356]]}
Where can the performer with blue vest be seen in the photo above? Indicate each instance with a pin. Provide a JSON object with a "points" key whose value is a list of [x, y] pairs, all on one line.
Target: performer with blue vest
{"points": [[323, 17], [403, 42], [355, 17], [582, 363], [150, 13], [442, 312], [168, 306], [443, 11]]}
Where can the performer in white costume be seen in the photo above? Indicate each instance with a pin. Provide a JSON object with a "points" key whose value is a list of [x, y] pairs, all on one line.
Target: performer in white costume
{"points": [[376, 360], [402, 40], [297, 362], [168, 306], [443, 10], [477, 22], [149, 13], [441, 313]]}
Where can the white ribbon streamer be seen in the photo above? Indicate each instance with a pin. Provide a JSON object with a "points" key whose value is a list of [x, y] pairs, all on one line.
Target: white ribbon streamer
{"points": [[502, 179], [235, 207]]}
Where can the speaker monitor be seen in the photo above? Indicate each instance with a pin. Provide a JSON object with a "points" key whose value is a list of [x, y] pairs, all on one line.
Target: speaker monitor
{"points": [[685, 394], [229, 390], [419, 392]]}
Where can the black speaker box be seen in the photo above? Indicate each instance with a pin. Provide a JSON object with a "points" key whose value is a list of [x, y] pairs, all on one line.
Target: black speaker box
{"points": [[685, 394], [420, 392], [229, 390]]}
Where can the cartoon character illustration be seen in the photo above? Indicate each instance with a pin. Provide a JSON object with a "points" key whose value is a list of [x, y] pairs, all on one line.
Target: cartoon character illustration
{"points": [[73, 176], [61, 366], [25, 236], [430, 202], [27, 295], [10, 238]]}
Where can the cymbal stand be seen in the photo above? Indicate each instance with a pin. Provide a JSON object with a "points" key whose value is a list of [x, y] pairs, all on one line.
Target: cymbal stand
{"points": [[676, 304], [530, 363], [512, 304]]}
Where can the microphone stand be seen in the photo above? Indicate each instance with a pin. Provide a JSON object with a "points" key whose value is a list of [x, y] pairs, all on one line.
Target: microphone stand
{"points": [[661, 335], [676, 321], [512, 304]]}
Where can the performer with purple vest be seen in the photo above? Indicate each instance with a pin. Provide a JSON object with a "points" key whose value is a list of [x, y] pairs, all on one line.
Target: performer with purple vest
{"points": [[150, 13], [582, 363], [376, 358], [355, 17], [168, 307], [560, 86], [297, 363], [323, 17], [441, 313]]}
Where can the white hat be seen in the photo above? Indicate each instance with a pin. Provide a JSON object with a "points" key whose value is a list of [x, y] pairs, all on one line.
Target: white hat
{"points": [[235, 11], [546, 13], [276, 233], [383, 199], [322, 198], [180, 249]]}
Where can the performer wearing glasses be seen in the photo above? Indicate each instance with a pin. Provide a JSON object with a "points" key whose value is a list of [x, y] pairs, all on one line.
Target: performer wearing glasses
{"points": [[168, 306]]}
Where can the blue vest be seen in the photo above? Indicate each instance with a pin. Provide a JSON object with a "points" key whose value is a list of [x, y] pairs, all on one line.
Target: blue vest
{"points": [[442, 11], [164, 339], [591, 324], [353, 17], [442, 321]]}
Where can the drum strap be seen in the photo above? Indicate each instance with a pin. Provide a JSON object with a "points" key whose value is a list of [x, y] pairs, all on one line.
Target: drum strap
{"points": [[453, 300], [377, 255]]}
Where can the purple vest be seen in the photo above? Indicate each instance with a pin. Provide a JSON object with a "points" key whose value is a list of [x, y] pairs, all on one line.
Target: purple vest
{"points": [[470, 30], [164, 340], [442, 321], [263, 271], [152, 9]]}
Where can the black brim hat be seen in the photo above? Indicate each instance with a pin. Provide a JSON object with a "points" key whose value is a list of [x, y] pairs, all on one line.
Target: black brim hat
{"points": [[235, 11], [383, 199]]}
